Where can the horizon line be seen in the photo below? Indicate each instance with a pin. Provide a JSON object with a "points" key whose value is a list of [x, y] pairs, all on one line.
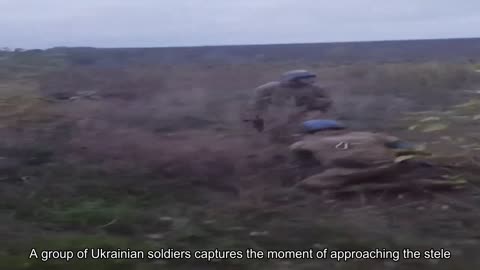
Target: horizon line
{"points": [[252, 44]]}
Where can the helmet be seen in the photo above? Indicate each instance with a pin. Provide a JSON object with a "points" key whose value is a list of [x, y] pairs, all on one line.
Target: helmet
{"points": [[297, 74]]}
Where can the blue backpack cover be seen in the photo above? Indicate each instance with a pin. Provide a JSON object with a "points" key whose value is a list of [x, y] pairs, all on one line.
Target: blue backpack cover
{"points": [[319, 125]]}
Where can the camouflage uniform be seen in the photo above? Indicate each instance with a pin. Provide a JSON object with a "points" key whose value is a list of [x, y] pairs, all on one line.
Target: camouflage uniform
{"points": [[345, 158], [287, 103]]}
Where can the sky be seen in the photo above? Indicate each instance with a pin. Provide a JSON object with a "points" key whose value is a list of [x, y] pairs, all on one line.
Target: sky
{"points": [[160, 23]]}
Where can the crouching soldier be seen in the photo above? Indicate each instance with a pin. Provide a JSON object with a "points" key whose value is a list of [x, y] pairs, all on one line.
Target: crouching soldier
{"points": [[334, 159]]}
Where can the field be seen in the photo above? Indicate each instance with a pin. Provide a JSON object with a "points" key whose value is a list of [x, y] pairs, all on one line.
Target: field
{"points": [[146, 149]]}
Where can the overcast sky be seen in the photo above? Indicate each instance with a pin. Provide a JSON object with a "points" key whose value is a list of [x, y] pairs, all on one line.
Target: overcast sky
{"points": [[155, 23]]}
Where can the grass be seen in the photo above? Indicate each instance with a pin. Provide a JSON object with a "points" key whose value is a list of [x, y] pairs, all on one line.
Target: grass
{"points": [[162, 160], [228, 232]]}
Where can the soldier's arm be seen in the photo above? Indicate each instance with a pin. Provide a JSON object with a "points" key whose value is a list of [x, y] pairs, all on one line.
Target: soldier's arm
{"points": [[320, 100], [262, 99]]}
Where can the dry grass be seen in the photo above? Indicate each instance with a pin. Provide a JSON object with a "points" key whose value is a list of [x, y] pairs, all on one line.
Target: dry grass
{"points": [[168, 141], [140, 105]]}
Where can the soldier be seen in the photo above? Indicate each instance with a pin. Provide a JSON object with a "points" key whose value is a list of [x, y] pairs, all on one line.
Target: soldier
{"points": [[288, 102]]}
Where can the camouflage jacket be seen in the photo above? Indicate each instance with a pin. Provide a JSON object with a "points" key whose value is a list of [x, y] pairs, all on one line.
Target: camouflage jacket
{"points": [[307, 98]]}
